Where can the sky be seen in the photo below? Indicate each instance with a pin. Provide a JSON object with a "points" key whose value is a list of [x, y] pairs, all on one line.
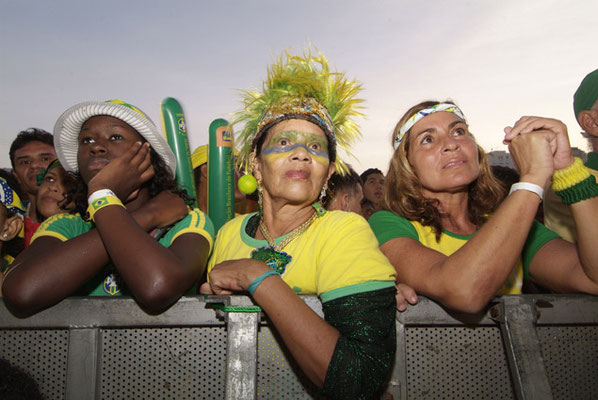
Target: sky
{"points": [[496, 60]]}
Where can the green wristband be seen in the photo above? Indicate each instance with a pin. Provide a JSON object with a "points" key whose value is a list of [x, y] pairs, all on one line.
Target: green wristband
{"points": [[581, 191], [256, 282]]}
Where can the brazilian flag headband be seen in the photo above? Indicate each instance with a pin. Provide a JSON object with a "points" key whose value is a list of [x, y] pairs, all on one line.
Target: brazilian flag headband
{"points": [[301, 87]]}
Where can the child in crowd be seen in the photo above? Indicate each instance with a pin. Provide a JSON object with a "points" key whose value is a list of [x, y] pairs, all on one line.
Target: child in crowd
{"points": [[344, 192], [244, 204], [11, 223], [367, 208], [53, 185], [133, 233]]}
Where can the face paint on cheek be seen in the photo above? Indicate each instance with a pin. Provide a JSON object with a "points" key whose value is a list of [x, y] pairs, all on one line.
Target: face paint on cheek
{"points": [[274, 154], [322, 159]]}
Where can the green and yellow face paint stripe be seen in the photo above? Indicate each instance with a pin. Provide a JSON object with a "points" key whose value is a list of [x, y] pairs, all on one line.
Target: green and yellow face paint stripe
{"points": [[316, 145], [40, 177]]}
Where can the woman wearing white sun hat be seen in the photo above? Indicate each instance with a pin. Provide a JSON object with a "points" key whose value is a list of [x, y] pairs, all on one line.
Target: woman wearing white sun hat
{"points": [[126, 192]]}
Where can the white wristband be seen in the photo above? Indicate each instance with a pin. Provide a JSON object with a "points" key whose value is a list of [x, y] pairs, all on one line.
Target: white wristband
{"points": [[532, 187], [99, 194]]}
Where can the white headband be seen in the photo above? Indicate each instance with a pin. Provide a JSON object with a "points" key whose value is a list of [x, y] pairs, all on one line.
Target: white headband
{"points": [[447, 107]]}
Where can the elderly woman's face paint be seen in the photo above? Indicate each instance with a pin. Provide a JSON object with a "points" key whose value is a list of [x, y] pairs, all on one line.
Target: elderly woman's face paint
{"points": [[287, 141], [294, 162]]}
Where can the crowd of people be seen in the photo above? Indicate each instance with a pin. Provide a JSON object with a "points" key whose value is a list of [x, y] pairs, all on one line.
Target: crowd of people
{"points": [[95, 210]]}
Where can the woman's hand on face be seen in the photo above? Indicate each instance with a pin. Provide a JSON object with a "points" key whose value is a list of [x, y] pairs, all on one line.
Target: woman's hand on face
{"points": [[562, 156], [233, 276], [405, 294], [125, 174]]}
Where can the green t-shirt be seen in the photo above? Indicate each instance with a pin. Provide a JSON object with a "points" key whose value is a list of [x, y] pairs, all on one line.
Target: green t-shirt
{"points": [[388, 225], [107, 282]]}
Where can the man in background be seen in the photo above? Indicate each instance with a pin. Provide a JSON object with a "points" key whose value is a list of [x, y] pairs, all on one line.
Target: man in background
{"points": [[557, 216], [199, 161], [30, 153]]}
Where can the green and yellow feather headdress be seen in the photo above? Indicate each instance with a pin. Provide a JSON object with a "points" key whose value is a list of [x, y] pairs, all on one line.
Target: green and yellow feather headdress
{"points": [[301, 88]]}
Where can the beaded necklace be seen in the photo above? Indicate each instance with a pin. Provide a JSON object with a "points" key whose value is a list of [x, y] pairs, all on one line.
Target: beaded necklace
{"points": [[273, 255]]}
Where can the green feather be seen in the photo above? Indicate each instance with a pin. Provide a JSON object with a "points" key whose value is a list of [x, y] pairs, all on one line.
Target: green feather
{"points": [[302, 76]]}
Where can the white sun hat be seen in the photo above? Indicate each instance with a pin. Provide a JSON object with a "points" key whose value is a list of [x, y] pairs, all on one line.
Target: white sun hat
{"points": [[68, 127]]}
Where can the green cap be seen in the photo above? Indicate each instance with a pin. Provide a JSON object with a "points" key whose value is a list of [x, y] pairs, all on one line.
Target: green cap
{"points": [[586, 94]]}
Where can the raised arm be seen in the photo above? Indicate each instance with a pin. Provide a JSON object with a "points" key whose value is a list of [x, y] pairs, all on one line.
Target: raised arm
{"points": [[470, 277], [559, 265], [156, 275], [467, 279]]}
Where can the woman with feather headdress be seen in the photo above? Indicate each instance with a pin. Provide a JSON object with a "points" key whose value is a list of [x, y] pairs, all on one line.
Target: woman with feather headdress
{"points": [[293, 246]]}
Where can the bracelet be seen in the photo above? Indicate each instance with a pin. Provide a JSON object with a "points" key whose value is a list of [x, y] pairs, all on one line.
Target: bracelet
{"points": [[584, 190], [532, 187], [256, 282], [568, 177], [99, 194], [101, 203], [574, 183]]}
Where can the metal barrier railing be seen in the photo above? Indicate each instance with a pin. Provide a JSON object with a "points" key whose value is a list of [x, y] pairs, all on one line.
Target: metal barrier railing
{"points": [[525, 347]]}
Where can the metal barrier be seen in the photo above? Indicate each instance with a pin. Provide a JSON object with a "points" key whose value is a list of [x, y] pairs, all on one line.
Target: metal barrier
{"points": [[524, 347]]}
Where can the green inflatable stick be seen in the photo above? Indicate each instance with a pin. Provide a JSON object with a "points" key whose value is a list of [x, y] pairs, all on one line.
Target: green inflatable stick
{"points": [[175, 130], [221, 190]]}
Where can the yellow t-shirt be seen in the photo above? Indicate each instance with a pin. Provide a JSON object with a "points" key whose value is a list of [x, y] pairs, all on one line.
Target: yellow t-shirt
{"points": [[336, 256], [451, 242], [387, 225]]}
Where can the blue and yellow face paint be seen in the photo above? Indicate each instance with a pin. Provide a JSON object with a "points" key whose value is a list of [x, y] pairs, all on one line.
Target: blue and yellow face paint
{"points": [[285, 142]]}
